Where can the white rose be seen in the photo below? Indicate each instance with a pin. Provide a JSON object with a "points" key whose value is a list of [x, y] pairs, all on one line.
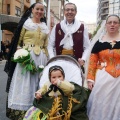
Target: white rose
{"points": [[16, 56], [20, 53], [41, 66], [24, 52]]}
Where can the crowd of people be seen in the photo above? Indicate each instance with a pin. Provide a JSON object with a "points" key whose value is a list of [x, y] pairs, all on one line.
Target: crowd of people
{"points": [[69, 37]]}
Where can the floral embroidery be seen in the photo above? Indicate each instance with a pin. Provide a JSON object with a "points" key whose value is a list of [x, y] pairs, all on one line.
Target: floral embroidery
{"points": [[104, 59]]}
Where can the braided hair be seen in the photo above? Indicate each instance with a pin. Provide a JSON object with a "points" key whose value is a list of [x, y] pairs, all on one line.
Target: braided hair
{"points": [[10, 65]]}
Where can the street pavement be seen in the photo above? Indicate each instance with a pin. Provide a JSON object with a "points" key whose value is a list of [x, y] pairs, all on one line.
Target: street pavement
{"points": [[3, 94]]}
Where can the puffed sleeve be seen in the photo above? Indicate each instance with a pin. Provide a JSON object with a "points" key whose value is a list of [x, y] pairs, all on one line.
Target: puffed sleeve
{"points": [[86, 44], [66, 87], [46, 44], [42, 90], [21, 37], [92, 66], [51, 43]]}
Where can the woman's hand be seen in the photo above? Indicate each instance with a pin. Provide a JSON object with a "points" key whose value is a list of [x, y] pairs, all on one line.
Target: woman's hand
{"points": [[90, 85]]}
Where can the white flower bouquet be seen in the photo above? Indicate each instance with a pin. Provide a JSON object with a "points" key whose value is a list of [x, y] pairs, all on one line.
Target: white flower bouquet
{"points": [[22, 56], [40, 68]]}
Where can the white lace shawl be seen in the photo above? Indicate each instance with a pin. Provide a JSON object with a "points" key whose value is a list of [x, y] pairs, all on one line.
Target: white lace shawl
{"points": [[29, 25]]}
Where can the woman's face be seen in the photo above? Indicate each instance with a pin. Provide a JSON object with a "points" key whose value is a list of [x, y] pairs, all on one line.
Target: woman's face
{"points": [[38, 11], [112, 24], [55, 75]]}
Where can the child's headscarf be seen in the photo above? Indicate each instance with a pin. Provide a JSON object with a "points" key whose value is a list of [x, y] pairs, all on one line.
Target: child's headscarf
{"points": [[54, 68], [54, 87]]}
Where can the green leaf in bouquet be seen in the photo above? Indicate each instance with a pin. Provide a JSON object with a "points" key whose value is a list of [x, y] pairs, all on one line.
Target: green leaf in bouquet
{"points": [[24, 70], [29, 67], [27, 61], [27, 57], [16, 60], [34, 69], [40, 68], [23, 59]]}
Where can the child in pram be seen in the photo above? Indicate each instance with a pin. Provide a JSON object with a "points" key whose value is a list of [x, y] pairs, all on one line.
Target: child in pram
{"points": [[57, 85], [69, 102]]}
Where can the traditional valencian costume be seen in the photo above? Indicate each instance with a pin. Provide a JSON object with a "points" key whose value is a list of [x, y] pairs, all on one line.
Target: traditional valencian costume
{"points": [[69, 39], [34, 37], [104, 68], [68, 102]]}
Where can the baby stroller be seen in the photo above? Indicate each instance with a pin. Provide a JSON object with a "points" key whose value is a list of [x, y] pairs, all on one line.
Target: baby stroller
{"points": [[70, 108]]}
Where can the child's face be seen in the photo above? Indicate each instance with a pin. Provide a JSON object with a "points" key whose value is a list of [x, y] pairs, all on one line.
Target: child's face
{"points": [[56, 75]]}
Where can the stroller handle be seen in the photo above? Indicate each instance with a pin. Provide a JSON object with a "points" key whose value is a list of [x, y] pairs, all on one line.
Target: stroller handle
{"points": [[66, 57]]}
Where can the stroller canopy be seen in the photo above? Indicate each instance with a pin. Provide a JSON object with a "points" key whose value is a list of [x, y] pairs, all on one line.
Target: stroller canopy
{"points": [[70, 66]]}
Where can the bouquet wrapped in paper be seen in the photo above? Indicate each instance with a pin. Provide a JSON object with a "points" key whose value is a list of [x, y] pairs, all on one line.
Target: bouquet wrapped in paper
{"points": [[23, 57]]}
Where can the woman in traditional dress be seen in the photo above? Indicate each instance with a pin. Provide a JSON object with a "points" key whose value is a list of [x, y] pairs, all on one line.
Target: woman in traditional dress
{"points": [[31, 34], [104, 74]]}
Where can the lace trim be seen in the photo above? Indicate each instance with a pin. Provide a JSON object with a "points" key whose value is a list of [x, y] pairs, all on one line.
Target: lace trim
{"points": [[109, 41], [29, 25]]}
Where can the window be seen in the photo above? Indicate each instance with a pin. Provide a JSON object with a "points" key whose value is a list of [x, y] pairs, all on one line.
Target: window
{"points": [[116, 0], [116, 8], [17, 11], [8, 9], [116, 4], [111, 1]]}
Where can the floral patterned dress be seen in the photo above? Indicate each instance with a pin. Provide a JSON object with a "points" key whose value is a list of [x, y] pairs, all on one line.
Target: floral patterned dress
{"points": [[104, 70]]}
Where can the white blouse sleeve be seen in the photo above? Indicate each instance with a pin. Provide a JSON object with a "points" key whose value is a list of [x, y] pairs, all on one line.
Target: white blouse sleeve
{"points": [[51, 43], [86, 44]]}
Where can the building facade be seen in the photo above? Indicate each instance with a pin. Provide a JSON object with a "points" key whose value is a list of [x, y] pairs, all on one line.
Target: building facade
{"points": [[91, 27], [13, 8], [56, 9], [103, 10], [18, 7], [106, 7], [114, 7]]}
